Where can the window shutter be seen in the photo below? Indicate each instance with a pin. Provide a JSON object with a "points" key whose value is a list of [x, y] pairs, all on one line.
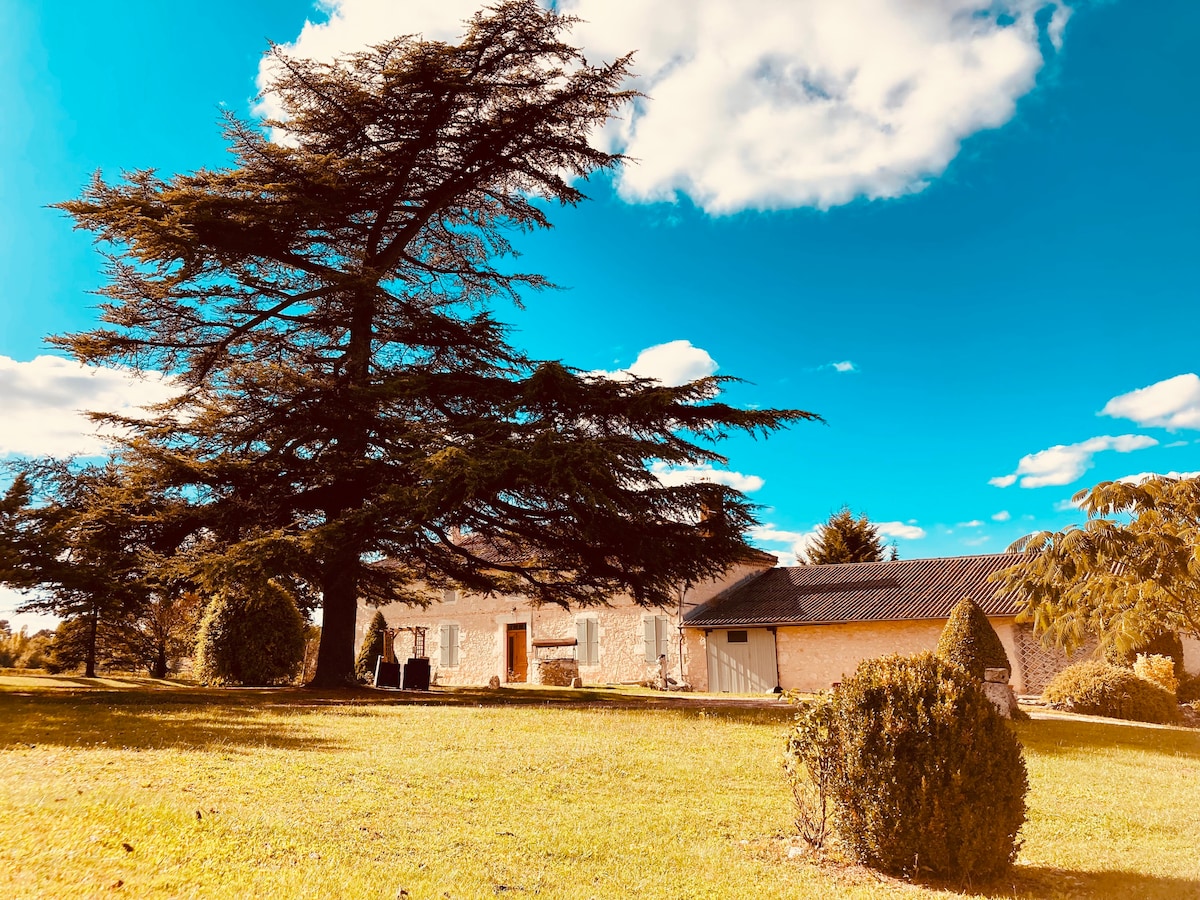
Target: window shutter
{"points": [[662, 635], [448, 645], [649, 624], [581, 642]]}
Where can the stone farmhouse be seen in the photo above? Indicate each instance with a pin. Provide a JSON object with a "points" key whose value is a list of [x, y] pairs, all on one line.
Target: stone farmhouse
{"points": [[758, 628]]}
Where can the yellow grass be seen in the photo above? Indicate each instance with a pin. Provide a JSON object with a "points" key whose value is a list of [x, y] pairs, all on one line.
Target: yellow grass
{"points": [[138, 790]]}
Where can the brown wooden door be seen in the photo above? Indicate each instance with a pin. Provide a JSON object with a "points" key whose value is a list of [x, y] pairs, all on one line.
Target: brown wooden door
{"points": [[517, 655]]}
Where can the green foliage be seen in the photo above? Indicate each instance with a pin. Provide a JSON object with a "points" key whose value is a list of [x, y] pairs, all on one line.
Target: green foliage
{"points": [[1166, 644], [372, 648], [326, 302], [845, 539], [1189, 688], [1128, 575], [929, 779], [811, 759], [1158, 670], [1100, 689], [970, 642], [22, 650], [253, 636]]}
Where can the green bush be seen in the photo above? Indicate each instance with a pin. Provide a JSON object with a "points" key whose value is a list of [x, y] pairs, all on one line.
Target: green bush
{"points": [[811, 760], [252, 636], [1100, 689], [927, 777], [1166, 644], [1158, 670], [970, 642], [372, 648], [1189, 689]]}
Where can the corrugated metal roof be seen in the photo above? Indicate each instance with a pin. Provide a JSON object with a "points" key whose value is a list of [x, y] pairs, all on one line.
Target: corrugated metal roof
{"points": [[904, 589]]}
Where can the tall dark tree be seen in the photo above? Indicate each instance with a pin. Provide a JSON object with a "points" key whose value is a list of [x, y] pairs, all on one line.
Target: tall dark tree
{"points": [[347, 392], [90, 543], [846, 539]]}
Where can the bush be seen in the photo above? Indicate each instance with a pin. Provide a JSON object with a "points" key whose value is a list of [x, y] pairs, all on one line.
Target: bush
{"points": [[810, 763], [1189, 689], [252, 636], [372, 648], [1158, 670], [1166, 644], [970, 642], [1100, 689], [927, 777]]}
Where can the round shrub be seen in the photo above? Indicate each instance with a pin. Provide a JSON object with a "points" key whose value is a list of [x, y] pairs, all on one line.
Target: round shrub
{"points": [[251, 636], [372, 648], [1099, 689], [970, 642], [930, 779]]}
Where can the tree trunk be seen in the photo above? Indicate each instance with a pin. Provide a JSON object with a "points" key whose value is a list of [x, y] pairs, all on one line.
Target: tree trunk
{"points": [[335, 656], [159, 670], [89, 668]]}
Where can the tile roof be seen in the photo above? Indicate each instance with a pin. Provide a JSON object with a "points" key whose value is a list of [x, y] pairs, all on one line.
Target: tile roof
{"points": [[860, 592]]}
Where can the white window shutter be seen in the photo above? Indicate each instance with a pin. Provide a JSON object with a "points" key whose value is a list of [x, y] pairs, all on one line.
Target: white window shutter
{"points": [[453, 643], [649, 624], [444, 645]]}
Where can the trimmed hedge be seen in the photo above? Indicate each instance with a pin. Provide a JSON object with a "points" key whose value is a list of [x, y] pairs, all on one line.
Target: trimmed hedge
{"points": [[253, 637], [372, 648], [927, 777], [1099, 689], [970, 642]]}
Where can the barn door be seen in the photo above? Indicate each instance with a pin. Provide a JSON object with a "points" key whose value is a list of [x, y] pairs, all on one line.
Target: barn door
{"points": [[742, 660]]}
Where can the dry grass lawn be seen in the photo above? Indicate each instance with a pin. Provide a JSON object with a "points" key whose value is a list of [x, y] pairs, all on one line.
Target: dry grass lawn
{"points": [[139, 789]]}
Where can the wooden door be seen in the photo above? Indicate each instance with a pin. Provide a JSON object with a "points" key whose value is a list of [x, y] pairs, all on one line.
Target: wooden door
{"points": [[742, 661], [517, 654]]}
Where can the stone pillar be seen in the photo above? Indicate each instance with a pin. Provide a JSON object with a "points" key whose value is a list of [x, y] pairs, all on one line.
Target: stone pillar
{"points": [[999, 691]]}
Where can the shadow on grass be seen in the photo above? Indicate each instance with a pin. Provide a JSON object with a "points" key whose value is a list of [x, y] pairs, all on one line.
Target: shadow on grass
{"points": [[1065, 737], [1049, 882], [145, 720]]}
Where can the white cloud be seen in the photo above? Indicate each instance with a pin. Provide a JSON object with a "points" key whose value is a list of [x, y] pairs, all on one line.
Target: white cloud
{"points": [[42, 403], [767, 105], [673, 363], [797, 543], [974, 523], [976, 541], [1064, 463], [1174, 403], [907, 530], [670, 476], [844, 366], [1003, 516]]}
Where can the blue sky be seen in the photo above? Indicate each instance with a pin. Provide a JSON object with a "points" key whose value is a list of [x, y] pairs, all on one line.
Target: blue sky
{"points": [[968, 239]]}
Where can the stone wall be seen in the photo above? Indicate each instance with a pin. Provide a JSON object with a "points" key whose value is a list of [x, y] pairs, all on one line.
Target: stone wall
{"points": [[482, 623], [558, 672]]}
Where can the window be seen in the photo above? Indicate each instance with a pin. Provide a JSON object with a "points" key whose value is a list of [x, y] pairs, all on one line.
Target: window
{"points": [[738, 637], [588, 642], [448, 644], [658, 637], [449, 595]]}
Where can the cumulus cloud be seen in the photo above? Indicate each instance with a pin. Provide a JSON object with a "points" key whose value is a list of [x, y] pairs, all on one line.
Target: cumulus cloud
{"points": [[43, 403], [974, 523], [1003, 516], [673, 363], [1174, 403], [907, 530], [769, 105], [795, 543], [844, 366], [671, 476], [1064, 463]]}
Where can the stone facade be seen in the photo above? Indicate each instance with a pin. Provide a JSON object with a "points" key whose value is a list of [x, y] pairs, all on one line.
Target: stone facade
{"points": [[478, 626]]}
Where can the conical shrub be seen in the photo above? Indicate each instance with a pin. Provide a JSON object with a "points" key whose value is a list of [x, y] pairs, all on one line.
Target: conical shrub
{"points": [[970, 642]]}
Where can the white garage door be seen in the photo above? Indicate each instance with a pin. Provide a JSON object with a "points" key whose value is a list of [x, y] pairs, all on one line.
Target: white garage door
{"points": [[742, 660]]}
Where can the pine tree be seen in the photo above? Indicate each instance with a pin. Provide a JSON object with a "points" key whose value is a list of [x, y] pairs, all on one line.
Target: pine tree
{"points": [[845, 539], [326, 306]]}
